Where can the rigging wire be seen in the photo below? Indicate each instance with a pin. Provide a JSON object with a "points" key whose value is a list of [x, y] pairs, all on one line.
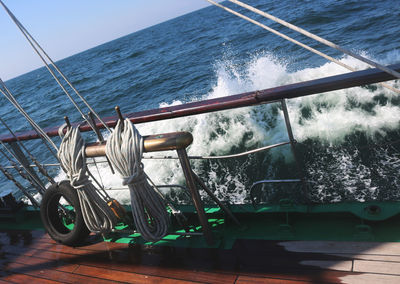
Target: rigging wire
{"points": [[39, 166], [392, 72], [6, 92], [24, 191], [39, 185], [35, 45], [318, 38]]}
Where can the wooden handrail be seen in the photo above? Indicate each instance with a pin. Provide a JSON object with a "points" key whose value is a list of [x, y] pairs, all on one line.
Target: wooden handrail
{"points": [[348, 80]]}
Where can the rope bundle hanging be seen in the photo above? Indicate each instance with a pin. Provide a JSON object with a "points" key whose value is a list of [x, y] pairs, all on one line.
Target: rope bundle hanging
{"points": [[97, 214], [124, 149]]}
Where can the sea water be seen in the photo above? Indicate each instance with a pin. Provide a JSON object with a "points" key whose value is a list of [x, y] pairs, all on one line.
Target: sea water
{"points": [[348, 140]]}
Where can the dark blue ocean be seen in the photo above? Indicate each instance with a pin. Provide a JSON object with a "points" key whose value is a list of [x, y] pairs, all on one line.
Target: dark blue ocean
{"points": [[348, 140]]}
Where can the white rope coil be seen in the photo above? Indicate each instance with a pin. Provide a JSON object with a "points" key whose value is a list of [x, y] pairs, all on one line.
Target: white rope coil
{"points": [[124, 149], [97, 214]]}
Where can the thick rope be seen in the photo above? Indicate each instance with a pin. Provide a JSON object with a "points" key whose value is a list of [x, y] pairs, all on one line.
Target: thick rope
{"points": [[97, 214], [124, 149]]}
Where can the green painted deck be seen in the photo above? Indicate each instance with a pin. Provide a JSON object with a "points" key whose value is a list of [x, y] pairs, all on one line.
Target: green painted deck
{"points": [[285, 221]]}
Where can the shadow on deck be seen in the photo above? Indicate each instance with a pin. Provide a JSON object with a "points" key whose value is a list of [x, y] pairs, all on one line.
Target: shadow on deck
{"points": [[31, 256]]}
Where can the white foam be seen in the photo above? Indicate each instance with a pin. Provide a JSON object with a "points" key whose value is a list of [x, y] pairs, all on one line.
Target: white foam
{"points": [[332, 116]]}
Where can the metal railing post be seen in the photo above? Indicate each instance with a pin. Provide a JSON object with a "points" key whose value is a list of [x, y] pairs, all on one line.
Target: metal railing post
{"points": [[185, 163], [293, 143]]}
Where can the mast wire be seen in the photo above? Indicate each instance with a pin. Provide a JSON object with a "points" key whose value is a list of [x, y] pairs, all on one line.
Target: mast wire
{"points": [[35, 45], [39, 185], [35, 161], [379, 66], [6, 92], [318, 38]]}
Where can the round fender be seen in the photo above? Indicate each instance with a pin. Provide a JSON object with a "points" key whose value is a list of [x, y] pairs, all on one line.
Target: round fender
{"points": [[63, 221]]}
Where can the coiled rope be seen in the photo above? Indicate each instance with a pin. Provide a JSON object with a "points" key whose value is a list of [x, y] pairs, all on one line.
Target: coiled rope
{"points": [[97, 214], [124, 149]]}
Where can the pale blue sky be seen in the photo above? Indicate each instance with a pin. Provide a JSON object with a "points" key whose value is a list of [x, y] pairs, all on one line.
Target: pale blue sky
{"points": [[66, 27]]}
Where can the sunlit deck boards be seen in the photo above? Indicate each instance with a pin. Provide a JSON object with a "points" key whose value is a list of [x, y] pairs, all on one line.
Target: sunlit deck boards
{"points": [[30, 256]]}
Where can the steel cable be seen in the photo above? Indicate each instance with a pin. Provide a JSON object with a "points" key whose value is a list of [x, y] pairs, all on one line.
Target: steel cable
{"points": [[330, 58]]}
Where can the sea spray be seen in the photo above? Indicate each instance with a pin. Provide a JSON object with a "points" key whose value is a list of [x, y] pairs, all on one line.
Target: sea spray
{"points": [[324, 124]]}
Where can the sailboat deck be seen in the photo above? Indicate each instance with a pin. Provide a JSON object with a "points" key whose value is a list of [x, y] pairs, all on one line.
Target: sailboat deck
{"points": [[31, 256]]}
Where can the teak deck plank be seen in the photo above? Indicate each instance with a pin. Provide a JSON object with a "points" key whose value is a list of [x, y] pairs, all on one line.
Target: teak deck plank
{"points": [[373, 257], [35, 256], [369, 278], [330, 264], [126, 277], [282, 261], [372, 248], [40, 262], [257, 280], [317, 276], [182, 274], [94, 261], [380, 267], [23, 278], [52, 274]]}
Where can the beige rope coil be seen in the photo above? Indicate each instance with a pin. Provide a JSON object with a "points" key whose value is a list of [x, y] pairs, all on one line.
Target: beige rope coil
{"points": [[124, 149], [97, 214]]}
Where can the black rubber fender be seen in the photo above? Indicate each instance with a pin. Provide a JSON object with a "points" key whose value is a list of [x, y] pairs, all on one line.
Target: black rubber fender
{"points": [[54, 217]]}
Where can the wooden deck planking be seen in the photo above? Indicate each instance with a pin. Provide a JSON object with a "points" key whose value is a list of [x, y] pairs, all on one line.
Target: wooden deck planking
{"points": [[380, 267], [258, 280], [95, 262], [23, 278], [92, 262], [373, 257], [35, 261], [369, 278], [346, 265], [313, 276], [354, 248], [52, 274], [126, 277], [35, 255], [171, 272]]}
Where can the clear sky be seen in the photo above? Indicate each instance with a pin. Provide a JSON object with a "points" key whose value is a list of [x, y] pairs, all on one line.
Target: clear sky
{"points": [[66, 27]]}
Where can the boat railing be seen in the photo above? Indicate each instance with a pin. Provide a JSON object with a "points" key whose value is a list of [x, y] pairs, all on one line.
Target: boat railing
{"points": [[274, 95], [267, 96], [292, 142]]}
